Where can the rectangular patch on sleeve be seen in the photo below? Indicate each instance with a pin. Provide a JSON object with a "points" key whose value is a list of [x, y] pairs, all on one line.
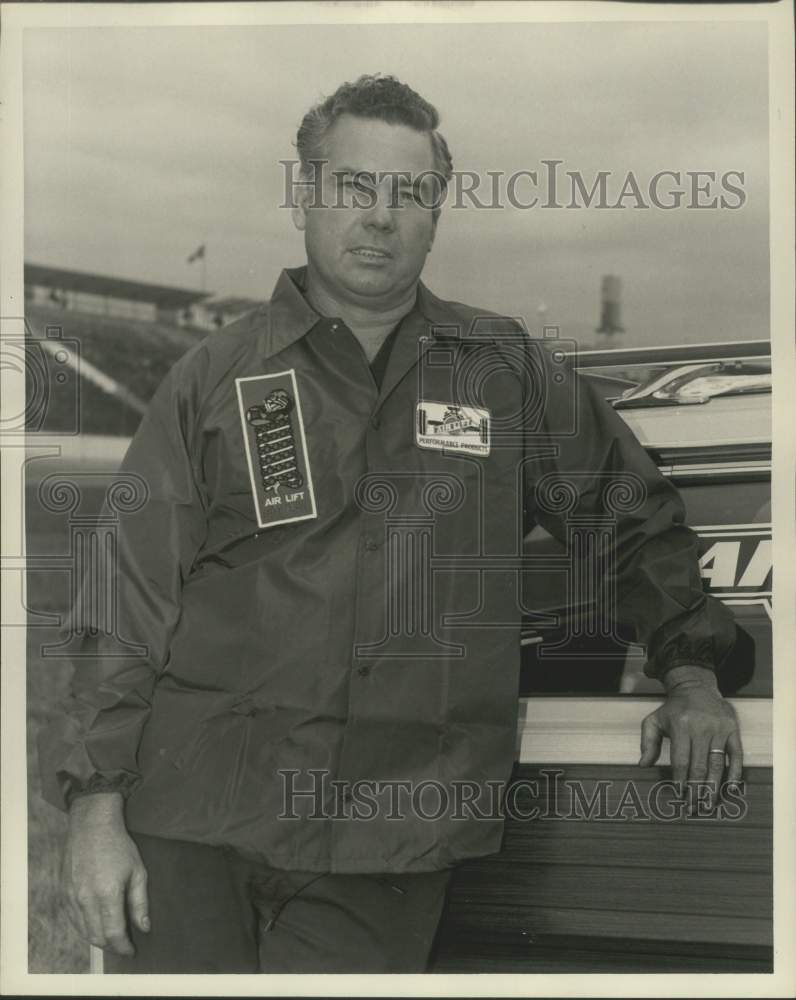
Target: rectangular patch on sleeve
{"points": [[453, 428], [276, 448]]}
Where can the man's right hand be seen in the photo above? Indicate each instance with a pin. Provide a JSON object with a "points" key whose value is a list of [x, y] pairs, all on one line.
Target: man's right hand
{"points": [[103, 876]]}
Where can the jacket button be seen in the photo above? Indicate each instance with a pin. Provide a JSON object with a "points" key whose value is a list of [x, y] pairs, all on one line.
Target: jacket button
{"points": [[371, 544], [363, 671]]}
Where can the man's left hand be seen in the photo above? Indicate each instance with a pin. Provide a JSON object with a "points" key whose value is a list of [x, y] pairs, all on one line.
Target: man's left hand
{"points": [[701, 725]]}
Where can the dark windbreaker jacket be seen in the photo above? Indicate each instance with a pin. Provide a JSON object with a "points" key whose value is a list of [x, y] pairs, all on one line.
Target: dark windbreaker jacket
{"points": [[324, 584]]}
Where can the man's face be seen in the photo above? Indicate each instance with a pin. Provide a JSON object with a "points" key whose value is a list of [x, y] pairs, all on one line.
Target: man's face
{"points": [[367, 245]]}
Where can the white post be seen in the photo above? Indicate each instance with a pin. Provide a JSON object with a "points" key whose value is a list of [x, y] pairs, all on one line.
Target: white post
{"points": [[96, 960]]}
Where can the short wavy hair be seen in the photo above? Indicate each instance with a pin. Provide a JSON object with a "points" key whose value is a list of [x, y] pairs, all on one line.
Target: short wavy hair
{"points": [[373, 96]]}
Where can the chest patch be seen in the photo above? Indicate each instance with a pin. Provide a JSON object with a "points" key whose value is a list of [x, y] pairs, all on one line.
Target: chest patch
{"points": [[276, 448], [451, 427]]}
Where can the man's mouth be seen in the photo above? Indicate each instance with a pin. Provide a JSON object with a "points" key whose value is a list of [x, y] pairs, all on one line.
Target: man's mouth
{"points": [[371, 253]]}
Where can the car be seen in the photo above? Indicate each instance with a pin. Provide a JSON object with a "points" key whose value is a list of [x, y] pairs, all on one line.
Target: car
{"points": [[598, 879]]}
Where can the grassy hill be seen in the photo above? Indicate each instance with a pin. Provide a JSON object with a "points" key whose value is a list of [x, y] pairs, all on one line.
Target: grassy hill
{"points": [[131, 352]]}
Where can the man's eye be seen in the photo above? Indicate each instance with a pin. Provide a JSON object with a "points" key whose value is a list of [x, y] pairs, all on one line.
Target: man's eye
{"points": [[359, 184]]}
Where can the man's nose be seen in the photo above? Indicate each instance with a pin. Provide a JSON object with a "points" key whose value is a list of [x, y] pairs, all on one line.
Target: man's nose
{"points": [[381, 213]]}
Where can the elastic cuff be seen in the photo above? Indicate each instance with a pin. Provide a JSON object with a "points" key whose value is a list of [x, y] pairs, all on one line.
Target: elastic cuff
{"points": [[680, 651], [671, 664], [98, 784]]}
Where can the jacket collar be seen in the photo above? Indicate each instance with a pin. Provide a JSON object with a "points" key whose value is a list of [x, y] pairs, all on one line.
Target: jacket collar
{"points": [[290, 317]]}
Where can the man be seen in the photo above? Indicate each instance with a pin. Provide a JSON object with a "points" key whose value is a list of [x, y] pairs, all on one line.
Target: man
{"points": [[235, 794]]}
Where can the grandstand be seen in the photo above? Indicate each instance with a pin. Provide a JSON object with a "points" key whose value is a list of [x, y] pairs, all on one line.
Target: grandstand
{"points": [[120, 298], [102, 295], [214, 313], [119, 338]]}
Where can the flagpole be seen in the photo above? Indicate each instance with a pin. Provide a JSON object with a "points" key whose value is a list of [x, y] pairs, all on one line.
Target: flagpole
{"points": [[200, 253]]}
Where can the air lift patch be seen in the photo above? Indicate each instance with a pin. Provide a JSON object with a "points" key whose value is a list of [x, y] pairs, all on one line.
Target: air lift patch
{"points": [[276, 448], [454, 428]]}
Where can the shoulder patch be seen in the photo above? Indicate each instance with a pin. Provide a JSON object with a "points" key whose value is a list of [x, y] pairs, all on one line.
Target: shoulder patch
{"points": [[448, 426]]}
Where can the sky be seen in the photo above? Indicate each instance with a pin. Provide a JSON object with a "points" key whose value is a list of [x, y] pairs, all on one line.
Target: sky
{"points": [[141, 144]]}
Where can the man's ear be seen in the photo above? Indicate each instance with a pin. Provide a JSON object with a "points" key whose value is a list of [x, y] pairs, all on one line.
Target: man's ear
{"points": [[299, 212], [434, 220], [304, 194]]}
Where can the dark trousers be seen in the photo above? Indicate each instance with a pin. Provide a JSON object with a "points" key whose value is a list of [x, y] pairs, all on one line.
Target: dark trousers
{"points": [[213, 911]]}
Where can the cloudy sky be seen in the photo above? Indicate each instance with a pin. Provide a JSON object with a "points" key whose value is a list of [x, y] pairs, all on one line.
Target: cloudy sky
{"points": [[141, 144]]}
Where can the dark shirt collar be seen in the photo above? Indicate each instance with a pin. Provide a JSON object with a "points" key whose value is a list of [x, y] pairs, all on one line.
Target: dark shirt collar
{"points": [[291, 316]]}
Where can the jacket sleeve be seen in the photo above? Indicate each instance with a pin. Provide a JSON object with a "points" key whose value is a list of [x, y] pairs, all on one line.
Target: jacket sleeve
{"points": [[93, 745], [583, 460]]}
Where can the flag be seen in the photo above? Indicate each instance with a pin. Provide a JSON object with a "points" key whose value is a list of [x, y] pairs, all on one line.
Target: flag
{"points": [[198, 254]]}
